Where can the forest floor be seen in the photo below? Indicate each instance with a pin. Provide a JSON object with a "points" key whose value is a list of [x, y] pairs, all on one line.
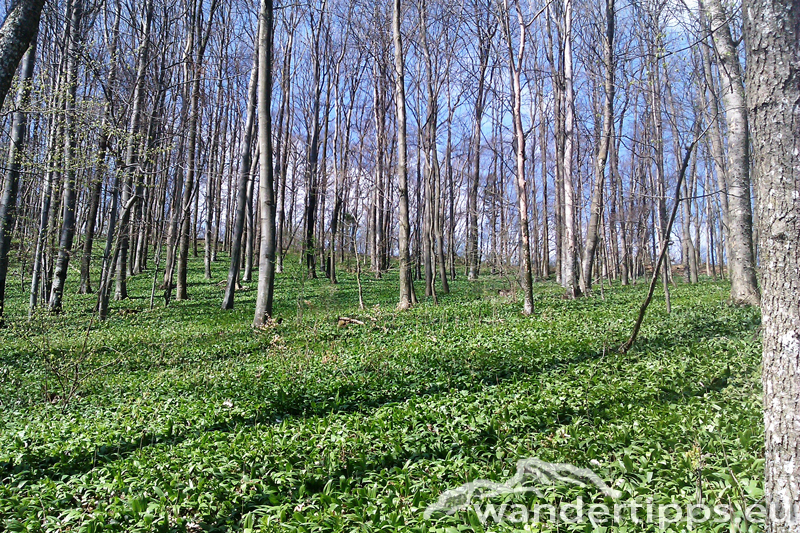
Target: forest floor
{"points": [[186, 419]]}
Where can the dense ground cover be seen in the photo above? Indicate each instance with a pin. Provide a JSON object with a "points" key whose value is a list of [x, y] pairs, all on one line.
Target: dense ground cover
{"points": [[185, 419]]}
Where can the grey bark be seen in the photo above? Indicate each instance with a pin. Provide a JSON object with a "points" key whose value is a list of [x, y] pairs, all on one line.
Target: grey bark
{"points": [[16, 34], [772, 37], [515, 64], [741, 263], [130, 171], [266, 265], [241, 188], [571, 279], [406, 288], [16, 147], [70, 146], [596, 209]]}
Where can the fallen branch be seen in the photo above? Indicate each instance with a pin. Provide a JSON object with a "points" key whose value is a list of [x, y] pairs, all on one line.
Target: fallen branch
{"points": [[664, 247], [346, 321]]}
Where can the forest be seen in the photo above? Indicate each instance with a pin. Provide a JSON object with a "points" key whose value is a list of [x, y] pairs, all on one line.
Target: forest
{"points": [[420, 265]]}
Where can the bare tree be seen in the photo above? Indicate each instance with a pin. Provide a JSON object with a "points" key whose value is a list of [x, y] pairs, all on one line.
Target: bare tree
{"points": [[70, 146], [241, 187], [266, 265], [515, 64], [596, 208], [19, 130], [406, 288], [571, 278], [741, 263]]}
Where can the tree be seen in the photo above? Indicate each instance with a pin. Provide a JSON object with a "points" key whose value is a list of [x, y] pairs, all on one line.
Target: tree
{"points": [[741, 263], [130, 171], [406, 289], [16, 35], [772, 37], [484, 28], [19, 128], [70, 147], [241, 187], [596, 209], [266, 266], [571, 277], [515, 63]]}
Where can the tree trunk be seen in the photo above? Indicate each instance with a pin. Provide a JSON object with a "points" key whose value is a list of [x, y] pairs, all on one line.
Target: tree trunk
{"points": [[406, 288], [772, 36], [16, 35], [16, 147], [485, 30], [596, 209], [241, 188], [130, 172], [266, 264], [70, 146], [515, 64], [741, 263], [571, 276]]}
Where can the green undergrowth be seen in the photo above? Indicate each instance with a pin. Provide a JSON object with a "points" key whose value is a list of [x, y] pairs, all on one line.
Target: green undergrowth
{"points": [[186, 419]]}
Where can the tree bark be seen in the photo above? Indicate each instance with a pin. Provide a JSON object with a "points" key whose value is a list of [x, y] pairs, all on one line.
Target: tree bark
{"points": [[130, 172], [241, 187], [515, 64], [16, 34], [571, 279], [741, 263], [70, 146], [266, 264], [406, 288], [16, 146], [772, 37], [596, 209]]}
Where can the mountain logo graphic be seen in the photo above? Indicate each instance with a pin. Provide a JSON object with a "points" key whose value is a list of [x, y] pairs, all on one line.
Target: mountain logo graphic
{"points": [[528, 470]]}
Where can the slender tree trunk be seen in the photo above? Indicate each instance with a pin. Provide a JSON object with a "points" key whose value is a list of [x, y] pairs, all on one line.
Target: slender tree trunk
{"points": [[485, 34], [406, 288], [16, 147], [596, 209], [571, 276], [241, 187], [266, 265], [741, 263], [130, 172], [101, 165], [70, 147], [709, 99], [515, 64]]}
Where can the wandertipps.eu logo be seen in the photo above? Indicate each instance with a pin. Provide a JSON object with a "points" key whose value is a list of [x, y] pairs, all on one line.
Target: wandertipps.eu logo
{"points": [[534, 474], [531, 474]]}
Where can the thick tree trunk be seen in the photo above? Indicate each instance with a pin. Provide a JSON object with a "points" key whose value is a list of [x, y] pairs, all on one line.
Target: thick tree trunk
{"points": [[16, 35], [772, 34]]}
